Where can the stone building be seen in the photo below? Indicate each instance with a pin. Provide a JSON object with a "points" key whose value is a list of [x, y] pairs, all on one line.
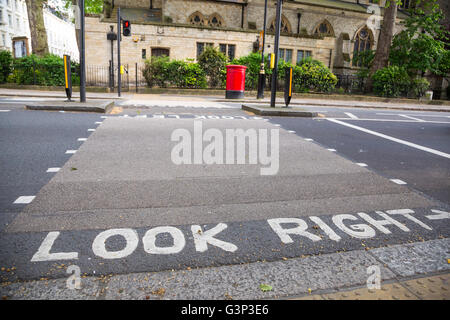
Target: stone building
{"points": [[327, 30], [14, 30]]}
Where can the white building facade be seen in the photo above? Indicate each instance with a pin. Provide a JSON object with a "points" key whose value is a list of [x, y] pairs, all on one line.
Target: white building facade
{"points": [[14, 24], [61, 36]]}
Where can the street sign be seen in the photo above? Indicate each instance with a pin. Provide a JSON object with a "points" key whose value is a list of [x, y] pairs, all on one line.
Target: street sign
{"points": [[288, 86], [68, 77]]}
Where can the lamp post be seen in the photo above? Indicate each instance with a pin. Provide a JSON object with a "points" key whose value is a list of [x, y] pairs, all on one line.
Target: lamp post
{"points": [[82, 55], [262, 76], [276, 49]]}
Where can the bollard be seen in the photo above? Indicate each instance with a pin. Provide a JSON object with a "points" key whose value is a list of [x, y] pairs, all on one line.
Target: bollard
{"points": [[68, 77], [288, 86]]}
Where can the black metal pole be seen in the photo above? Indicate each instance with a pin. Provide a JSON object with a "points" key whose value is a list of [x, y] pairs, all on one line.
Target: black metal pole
{"points": [[112, 64], [276, 49], [82, 55], [119, 31], [262, 76], [136, 77]]}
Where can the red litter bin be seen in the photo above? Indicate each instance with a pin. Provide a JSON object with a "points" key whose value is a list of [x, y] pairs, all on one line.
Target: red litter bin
{"points": [[235, 82]]}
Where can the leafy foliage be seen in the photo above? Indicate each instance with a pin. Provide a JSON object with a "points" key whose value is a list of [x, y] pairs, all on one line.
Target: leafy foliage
{"points": [[213, 63], [5, 65], [390, 81], [420, 47], [161, 72], [47, 70], [313, 75]]}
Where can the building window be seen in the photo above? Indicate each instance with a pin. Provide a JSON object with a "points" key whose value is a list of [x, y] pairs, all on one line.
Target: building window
{"points": [[144, 53], [363, 42], [216, 21], [324, 29], [159, 52], [285, 54], [201, 47], [285, 25], [196, 19], [229, 50], [303, 54]]}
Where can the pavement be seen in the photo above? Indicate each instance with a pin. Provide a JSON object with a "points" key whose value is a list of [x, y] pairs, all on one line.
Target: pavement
{"points": [[138, 226]]}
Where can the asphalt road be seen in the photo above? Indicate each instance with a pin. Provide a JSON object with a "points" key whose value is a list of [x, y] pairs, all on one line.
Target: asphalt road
{"points": [[31, 143], [127, 208]]}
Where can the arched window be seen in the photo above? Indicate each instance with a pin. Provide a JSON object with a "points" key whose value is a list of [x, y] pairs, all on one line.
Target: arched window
{"points": [[285, 25], [363, 41], [216, 20], [197, 19], [324, 28]]}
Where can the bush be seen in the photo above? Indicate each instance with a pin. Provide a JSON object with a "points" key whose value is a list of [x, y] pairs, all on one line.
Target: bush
{"points": [[155, 71], [161, 72], [213, 63], [390, 81], [253, 63], [419, 86], [5, 65], [47, 70], [312, 75]]}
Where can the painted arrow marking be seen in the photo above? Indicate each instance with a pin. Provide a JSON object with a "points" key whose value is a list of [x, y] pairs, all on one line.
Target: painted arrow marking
{"points": [[440, 215]]}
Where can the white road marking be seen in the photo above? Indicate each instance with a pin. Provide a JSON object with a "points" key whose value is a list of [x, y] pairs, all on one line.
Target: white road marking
{"points": [[71, 151], [398, 181], [412, 118], [53, 169], [291, 131], [90, 129], [43, 253], [24, 199], [440, 215], [98, 122], [332, 150], [5, 110], [351, 115], [99, 244], [388, 120], [82, 139], [407, 143], [362, 164], [309, 139]]}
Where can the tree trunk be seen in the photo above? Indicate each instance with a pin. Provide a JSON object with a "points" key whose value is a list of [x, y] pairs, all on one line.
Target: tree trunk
{"points": [[38, 33], [381, 58]]}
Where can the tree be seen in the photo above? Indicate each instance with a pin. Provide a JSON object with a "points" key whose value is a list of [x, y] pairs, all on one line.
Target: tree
{"points": [[420, 47], [213, 63], [37, 28], [381, 57]]}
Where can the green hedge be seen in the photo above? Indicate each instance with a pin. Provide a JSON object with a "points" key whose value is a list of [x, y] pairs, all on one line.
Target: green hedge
{"points": [[5, 65], [44, 71], [161, 72]]}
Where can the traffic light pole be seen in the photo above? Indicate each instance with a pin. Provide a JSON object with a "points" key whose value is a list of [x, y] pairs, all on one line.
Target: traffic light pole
{"points": [[119, 36], [276, 49], [82, 54], [262, 76]]}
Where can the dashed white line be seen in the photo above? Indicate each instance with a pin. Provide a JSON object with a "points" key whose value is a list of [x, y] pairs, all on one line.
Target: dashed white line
{"points": [[362, 164], [70, 151], [53, 169], [332, 150], [309, 139], [407, 143], [24, 199], [291, 131], [412, 118], [90, 129], [98, 122], [398, 181], [5, 110], [82, 139], [351, 115]]}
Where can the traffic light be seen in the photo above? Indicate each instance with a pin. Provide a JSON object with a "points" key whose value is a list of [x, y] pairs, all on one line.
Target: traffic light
{"points": [[126, 28]]}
